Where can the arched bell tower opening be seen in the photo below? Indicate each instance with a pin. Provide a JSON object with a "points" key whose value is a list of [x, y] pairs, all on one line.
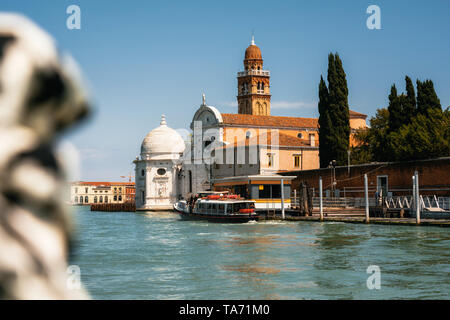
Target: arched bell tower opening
{"points": [[253, 84]]}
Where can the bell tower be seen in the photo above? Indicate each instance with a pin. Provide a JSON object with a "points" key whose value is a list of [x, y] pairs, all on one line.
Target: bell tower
{"points": [[253, 84]]}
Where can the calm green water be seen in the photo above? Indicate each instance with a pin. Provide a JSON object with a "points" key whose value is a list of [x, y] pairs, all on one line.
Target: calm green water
{"points": [[159, 256]]}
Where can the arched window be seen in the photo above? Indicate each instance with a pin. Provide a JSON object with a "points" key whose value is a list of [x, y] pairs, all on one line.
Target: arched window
{"points": [[248, 135], [86, 189], [106, 199], [95, 199], [81, 199], [86, 199], [101, 199], [262, 85], [115, 189], [76, 199], [142, 172], [115, 198], [120, 198], [259, 85]]}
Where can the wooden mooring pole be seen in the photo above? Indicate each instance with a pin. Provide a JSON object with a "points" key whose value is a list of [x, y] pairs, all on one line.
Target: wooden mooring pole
{"points": [[417, 198], [282, 199], [366, 196], [320, 197]]}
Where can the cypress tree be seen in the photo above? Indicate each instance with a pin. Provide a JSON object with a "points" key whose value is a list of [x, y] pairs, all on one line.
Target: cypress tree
{"points": [[409, 108], [343, 114], [334, 120], [395, 110], [427, 97], [324, 125]]}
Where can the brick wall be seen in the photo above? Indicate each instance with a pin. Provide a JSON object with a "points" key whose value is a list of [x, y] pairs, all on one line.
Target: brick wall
{"points": [[434, 177]]}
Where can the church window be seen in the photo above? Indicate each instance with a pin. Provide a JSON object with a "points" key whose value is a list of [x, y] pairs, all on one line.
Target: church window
{"points": [[270, 159], [161, 171], [296, 160], [260, 109]]}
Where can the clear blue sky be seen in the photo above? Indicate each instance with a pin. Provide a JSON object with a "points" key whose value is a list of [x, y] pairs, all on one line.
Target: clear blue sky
{"points": [[145, 58]]}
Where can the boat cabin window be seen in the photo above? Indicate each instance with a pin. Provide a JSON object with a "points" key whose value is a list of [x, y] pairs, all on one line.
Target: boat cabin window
{"points": [[221, 207], [237, 206]]}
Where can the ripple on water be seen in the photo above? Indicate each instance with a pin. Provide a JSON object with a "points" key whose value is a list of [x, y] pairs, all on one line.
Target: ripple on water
{"points": [[160, 256]]}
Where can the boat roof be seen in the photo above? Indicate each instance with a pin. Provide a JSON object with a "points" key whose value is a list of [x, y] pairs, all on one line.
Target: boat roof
{"points": [[228, 200]]}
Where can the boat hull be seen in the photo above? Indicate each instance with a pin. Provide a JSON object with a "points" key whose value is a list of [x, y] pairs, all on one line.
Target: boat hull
{"points": [[238, 218]]}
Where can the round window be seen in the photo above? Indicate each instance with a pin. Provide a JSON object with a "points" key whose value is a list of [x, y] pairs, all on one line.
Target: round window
{"points": [[161, 171], [300, 136]]}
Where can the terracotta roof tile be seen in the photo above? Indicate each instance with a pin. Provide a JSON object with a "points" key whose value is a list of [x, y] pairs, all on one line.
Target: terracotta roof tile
{"points": [[102, 183], [275, 121], [266, 139], [269, 121], [357, 114]]}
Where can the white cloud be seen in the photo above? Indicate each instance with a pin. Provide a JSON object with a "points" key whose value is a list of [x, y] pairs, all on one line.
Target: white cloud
{"points": [[232, 104], [292, 104]]}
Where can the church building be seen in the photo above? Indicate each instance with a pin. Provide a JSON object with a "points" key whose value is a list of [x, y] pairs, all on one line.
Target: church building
{"points": [[168, 169], [157, 169], [293, 141]]}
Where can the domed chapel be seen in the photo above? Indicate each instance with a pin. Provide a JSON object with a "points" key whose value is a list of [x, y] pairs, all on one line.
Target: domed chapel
{"points": [[157, 168]]}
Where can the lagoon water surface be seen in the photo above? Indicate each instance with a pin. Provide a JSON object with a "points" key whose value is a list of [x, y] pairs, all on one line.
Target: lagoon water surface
{"points": [[125, 255]]}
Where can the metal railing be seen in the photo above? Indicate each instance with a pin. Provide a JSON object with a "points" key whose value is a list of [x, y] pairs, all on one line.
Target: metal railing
{"points": [[335, 202], [254, 73]]}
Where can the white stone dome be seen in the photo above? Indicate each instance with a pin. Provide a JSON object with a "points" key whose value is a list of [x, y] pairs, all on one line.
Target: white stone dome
{"points": [[162, 140]]}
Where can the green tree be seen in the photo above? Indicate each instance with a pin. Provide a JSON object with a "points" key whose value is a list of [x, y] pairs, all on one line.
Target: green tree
{"points": [[325, 125], [334, 126], [424, 135], [409, 107], [427, 97]]}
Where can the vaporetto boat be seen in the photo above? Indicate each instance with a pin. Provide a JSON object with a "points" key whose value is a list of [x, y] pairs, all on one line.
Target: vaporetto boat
{"points": [[218, 208]]}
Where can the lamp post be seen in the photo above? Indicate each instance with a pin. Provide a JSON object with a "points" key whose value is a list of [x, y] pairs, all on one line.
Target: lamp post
{"points": [[333, 182]]}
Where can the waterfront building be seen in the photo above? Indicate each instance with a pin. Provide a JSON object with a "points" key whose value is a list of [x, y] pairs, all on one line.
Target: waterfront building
{"points": [[387, 178], [88, 192], [158, 168], [284, 143]]}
